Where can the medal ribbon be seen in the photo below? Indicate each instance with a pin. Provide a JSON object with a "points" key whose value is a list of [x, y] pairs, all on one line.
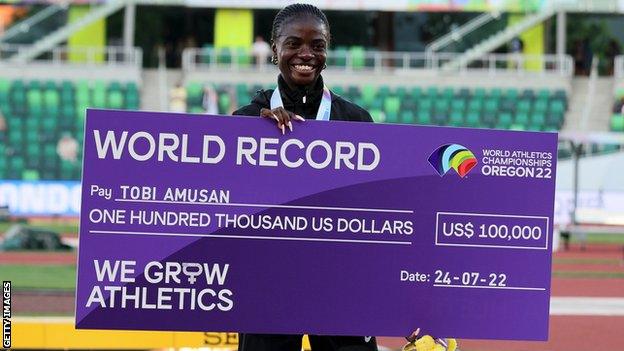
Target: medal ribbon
{"points": [[324, 108]]}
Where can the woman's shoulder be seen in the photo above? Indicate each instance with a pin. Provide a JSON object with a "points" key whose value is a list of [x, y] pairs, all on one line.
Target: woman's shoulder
{"points": [[345, 110], [261, 100]]}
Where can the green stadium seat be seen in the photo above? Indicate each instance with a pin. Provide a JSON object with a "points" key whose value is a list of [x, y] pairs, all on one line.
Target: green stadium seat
{"points": [[475, 105], [447, 93], [557, 106], [463, 93], [15, 137], [617, 123], [49, 123], [440, 118], [368, 94], [68, 111], [416, 92], [511, 94], [560, 94], [407, 116], [224, 103], [505, 119], [14, 123], [32, 123], [423, 117], [384, 91], [543, 94], [432, 92], [99, 94], [522, 118], [538, 121], [473, 119], [353, 91], [554, 120], [34, 98], [194, 93], [458, 104], [224, 55], [378, 115], [392, 117], [516, 126], [392, 105], [339, 57], [457, 118], [357, 55], [377, 103], [508, 104], [479, 93], [425, 104], [495, 93], [400, 92], [338, 90], [83, 93], [197, 110], [540, 105], [115, 99], [523, 106], [491, 105], [243, 56], [488, 119], [442, 105], [52, 99], [30, 174]]}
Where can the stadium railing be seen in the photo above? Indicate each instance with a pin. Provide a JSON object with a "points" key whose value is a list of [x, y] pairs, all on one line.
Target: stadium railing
{"points": [[357, 59], [70, 62], [616, 124]]}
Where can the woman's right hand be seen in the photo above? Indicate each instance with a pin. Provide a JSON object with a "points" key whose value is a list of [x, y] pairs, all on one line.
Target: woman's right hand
{"points": [[282, 117]]}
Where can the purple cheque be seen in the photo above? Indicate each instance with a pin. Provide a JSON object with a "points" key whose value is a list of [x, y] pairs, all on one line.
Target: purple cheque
{"points": [[213, 223]]}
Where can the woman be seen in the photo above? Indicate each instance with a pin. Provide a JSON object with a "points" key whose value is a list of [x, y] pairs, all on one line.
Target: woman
{"points": [[299, 41]]}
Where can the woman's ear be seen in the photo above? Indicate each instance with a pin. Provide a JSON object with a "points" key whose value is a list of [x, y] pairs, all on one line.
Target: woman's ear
{"points": [[274, 49]]}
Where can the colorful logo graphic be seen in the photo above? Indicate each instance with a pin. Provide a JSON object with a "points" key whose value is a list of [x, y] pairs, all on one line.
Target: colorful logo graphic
{"points": [[453, 156]]}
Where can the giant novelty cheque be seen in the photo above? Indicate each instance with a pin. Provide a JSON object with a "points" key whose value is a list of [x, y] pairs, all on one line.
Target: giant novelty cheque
{"points": [[216, 223]]}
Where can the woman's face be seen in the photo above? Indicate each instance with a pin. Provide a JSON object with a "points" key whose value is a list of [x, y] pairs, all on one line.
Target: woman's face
{"points": [[301, 50]]}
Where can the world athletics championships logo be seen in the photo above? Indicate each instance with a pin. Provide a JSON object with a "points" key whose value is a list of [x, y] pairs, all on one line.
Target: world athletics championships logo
{"points": [[453, 156]]}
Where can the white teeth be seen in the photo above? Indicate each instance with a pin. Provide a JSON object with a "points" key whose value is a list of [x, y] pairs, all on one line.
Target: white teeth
{"points": [[303, 67]]}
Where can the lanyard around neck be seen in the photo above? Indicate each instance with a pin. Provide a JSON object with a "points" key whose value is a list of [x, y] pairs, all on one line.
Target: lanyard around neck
{"points": [[324, 108]]}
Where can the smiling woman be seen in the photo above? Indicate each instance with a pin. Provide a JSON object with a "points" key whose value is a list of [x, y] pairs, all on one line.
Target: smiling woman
{"points": [[299, 40]]}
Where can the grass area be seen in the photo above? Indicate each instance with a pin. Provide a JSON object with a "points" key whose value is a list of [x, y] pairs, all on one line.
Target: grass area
{"points": [[595, 275], [59, 227], [599, 238], [60, 277], [603, 261]]}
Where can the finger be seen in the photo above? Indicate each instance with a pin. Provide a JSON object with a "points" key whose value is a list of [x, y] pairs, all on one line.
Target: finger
{"points": [[290, 126], [284, 118], [413, 336], [298, 118], [268, 114], [283, 115]]}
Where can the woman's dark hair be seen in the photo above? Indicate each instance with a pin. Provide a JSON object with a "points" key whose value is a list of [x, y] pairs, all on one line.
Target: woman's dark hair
{"points": [[296, 10]]}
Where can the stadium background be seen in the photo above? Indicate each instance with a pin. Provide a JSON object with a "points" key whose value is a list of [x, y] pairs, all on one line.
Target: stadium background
{"points": [[431, 62]]}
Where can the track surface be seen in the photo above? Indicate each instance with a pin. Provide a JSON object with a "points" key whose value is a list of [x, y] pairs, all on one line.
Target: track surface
{"points": [[597, 271]]}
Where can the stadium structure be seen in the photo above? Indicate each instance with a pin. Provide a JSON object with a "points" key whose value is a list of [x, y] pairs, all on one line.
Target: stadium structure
{"points": [[539, 65]]}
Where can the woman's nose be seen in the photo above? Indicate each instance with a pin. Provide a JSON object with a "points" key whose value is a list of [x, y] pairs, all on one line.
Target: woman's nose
{"points": [[305, 52]]}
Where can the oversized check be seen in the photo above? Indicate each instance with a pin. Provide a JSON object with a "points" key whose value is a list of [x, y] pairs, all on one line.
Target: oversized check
{"points": [[215, 223]]}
